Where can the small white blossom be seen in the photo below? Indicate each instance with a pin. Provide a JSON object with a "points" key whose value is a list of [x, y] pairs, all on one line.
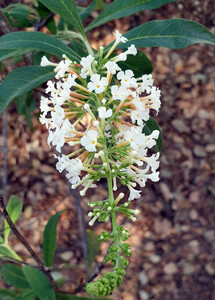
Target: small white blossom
{"points": [[86, 65], [112, 67], [44, 105], [135, 138], [154, 176], [147, 83], [58, 115], [104, 113], [63, 162], [155, 94], [121, 57], [89, 140], [119, 37], [56, 138], [132, 50], [74, 169], [45, 62], [67, 129], [127, 79], [70, 82], [50, 87], [97, 84], [44, 120], [62, 68], [152, 161], [134, 194], [119, 92]]}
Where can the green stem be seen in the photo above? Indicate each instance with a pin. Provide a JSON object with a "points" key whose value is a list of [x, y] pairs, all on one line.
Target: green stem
{"points": [[113, 213]]}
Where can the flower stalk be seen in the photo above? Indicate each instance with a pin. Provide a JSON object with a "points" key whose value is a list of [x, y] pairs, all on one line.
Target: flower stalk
{"points": [[112, 145]]}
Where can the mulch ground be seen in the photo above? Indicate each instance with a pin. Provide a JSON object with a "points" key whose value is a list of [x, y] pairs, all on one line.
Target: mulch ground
{"points": [[173, 239]]}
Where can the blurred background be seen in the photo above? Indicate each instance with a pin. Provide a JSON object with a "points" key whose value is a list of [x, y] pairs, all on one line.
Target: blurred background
{"points": [[173, 239]]}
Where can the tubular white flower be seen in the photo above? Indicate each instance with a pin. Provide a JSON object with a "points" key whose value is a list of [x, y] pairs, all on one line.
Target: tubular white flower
{"points": [[131, 50], [74, 167], [45, 62], [62, 68], [147, 83], [56, 138], [134, 194], [86, 64], [112, 67], [152, 161], [119, 37], [127, 79], [104, 113], [96, 84], [58, 115], [119, 93], [44, 105], [155, 94], [89, 140]]}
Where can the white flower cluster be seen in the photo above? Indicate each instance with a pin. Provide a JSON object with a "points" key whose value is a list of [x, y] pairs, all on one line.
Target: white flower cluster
{"points": [[116, 106]]}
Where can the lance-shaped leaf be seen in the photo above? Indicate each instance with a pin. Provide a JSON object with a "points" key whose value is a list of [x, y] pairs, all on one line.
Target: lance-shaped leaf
{"points": [[150, 126], [39, 283], [119, 9], [67, 9], [4, 54], [36, 41], [22, 80], [14, 209], [7, 251], [14, 276], [49, 239], [174, 34]]}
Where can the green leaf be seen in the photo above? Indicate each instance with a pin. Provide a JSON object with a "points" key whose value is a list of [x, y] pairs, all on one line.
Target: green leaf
{"points": [[66, 9], [92, 247], [7, 251], [14, 208], [84, 12], [119, 9], [39, 283], [22, 80], [36, 41], [4, 54], [174, 34], [6, 295], [14, 276], [20, 15], [73, 297], [49, 239], [29, 295], [139, 64], [150, 126]]}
